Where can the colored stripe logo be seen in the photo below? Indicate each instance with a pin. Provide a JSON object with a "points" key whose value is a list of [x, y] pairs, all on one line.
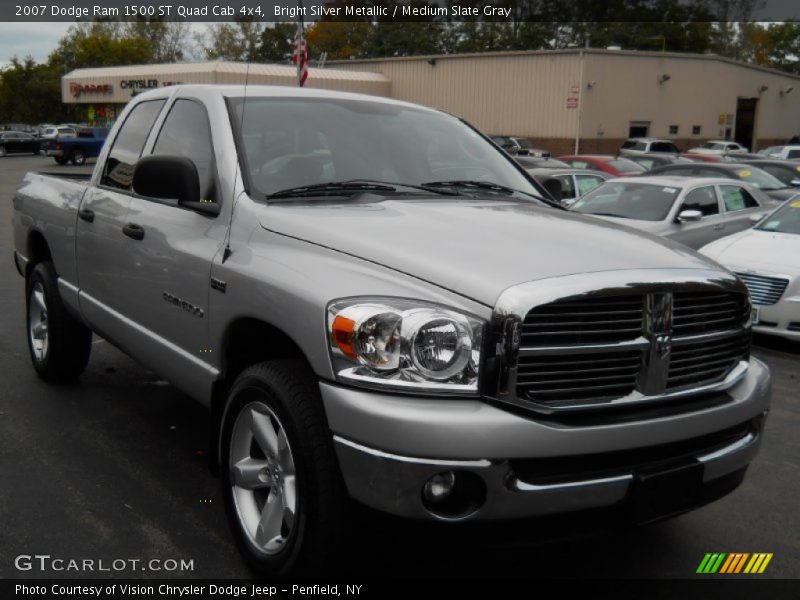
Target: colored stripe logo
{"points": [[734, 563]]}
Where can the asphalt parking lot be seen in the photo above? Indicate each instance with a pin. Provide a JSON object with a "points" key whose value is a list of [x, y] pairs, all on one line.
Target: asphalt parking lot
{"points": [[114, 467]]}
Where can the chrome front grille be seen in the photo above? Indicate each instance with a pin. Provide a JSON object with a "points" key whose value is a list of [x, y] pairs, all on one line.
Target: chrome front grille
{"points": [[589, 352], [764, 290]]}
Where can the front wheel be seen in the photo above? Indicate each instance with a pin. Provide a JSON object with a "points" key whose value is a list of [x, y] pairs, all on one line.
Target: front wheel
{"points": [[281, 484], [59, 345]]}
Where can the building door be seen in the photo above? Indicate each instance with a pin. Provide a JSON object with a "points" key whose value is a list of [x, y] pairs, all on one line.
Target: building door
{"points": [[745, 121]]}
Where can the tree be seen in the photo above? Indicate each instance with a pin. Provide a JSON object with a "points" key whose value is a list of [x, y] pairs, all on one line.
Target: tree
{"points": [[232, 41], [340, 39], [167, 39], [31, 93], [277, 42]]}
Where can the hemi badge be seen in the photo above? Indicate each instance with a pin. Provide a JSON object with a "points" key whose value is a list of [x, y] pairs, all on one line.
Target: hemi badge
{"points": [[218, 285]]}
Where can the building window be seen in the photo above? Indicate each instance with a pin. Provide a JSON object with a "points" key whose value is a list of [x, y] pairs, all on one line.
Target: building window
{"points": [[673, 130], [696, 129], [638, 129]]}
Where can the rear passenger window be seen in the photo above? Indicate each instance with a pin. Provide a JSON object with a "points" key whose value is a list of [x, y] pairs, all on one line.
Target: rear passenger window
{"points": [[567, 187], [703, 199], [736, 198], [186, 132], [793, 154], [128, 145]]}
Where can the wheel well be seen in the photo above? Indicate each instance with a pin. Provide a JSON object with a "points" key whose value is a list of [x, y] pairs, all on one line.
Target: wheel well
{"points": [[246, 342], [38, 251]]}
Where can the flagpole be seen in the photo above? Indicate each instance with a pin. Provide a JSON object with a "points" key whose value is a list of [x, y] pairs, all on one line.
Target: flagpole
{"points": [[302, 38]]}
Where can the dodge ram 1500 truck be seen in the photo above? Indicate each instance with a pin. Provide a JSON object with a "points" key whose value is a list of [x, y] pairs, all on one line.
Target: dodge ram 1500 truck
{"points": [[375, 305]]}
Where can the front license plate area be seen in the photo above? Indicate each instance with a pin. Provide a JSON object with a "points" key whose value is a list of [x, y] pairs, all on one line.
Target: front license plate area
{"points": [[754, 315], [658, 494]]}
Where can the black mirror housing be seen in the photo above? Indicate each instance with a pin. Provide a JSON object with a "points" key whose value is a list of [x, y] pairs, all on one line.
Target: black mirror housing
{"points": [[171, 178]]}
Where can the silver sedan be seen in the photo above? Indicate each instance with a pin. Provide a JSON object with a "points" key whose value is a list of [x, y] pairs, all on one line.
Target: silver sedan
{"points": [[693, 211]]}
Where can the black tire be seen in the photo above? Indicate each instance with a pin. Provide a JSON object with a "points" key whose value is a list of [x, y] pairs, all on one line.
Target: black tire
{"points": [[61, 160], [78, 157], [69, 342], [289, 389]]}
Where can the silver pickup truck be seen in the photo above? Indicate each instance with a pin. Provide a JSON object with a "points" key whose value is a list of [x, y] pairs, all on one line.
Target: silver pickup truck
{"points": [[374, 304]]}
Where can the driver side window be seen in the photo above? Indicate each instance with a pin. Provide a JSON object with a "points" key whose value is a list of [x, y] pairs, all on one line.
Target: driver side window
{"points": [[703, 199]]}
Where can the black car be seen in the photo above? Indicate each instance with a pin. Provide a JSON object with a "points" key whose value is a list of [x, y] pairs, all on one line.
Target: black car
{"points": [[651, 161], [769, 184], [519, 146], [18, 142], [572, 183], [788, 171]]}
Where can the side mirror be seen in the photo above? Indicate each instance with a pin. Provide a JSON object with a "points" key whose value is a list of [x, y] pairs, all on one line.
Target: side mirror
{"points": [[171, 178], [553, 187], [688, 216], [755, 218]]}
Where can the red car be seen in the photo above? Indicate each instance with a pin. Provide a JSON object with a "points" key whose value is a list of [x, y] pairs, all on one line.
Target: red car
{"points": [[699, 157], [617, 166]]}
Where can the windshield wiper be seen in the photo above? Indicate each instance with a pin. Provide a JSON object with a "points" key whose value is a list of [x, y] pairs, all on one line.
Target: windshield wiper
{"points": [[605, 214], [490, 186], [338, 188], [331, 188]]}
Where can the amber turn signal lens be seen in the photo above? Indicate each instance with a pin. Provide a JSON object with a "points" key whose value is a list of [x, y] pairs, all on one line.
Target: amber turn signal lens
{"points": [[343, 335]]}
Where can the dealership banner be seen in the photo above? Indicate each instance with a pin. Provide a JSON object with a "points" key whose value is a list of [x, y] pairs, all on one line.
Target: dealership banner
{"points": [[397, 10]]}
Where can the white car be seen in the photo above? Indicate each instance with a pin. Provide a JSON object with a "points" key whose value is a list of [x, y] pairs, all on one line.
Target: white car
{"points": [[719, 147], [767, 259], [51, 133], [789, 152]]}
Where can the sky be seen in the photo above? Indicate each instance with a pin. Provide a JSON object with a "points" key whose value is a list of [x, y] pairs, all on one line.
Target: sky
{"points": [[35, 39]]}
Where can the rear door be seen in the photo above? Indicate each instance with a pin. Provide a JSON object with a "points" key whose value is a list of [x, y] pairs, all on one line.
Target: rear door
{"points": [[101, 243], [711, 226], [165, 283], [738, 205]]}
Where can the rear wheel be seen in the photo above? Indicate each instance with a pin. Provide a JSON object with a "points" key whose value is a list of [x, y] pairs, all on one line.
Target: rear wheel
{"points": [[280, 480], [59, 345], [78, 157]]}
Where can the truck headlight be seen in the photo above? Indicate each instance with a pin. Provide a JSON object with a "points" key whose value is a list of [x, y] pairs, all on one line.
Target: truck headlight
{"points": [[407, 345]]}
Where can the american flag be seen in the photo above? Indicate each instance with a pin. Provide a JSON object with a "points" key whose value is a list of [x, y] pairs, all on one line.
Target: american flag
{"points": [[300, 56]]}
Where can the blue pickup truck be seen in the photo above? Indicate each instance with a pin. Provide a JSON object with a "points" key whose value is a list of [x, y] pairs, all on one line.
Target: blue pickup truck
{"points": [[85, 145]]}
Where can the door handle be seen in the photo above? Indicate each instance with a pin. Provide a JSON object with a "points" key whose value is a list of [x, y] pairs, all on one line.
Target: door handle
{"points": [[133, 231], [86, 214]]}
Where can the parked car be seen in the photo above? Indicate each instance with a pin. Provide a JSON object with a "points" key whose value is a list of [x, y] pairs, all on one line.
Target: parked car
{"points": [[692, 211], [767, 259], [350, 345], [650, 161], [531, 162], [519, 146], [634, 146], [572, 183], [789, 152], [54, 131], [787, 171], [697, 157], [78, 149], [18, 142], [719, 147], [756, 177], [613, 165], [19, 127]]}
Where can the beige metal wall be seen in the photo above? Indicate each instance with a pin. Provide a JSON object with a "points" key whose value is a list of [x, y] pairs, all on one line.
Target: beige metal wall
{"points": [[699, 90], [503, 93]]}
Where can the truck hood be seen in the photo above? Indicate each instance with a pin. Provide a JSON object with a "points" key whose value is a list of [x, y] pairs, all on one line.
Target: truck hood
{"points": [[476, 248]]}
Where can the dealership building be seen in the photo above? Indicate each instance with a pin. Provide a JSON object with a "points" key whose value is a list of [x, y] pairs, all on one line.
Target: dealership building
{"points": [[589, 98]]}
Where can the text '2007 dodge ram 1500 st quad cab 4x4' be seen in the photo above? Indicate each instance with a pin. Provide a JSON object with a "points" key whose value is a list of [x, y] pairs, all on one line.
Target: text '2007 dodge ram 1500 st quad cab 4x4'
{"points": [[374, 304]]}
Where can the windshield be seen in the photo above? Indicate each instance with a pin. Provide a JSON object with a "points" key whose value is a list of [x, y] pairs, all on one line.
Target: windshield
{"points": [[643, 201], [713, 146], [624, 165], [759, 178], [784, 220], [296, 142], [525, 143]]}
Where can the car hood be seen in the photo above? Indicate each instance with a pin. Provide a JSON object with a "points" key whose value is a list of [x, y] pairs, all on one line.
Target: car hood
{"points": [[782, 194], [476, 248], [654, 227], [757, 249]]}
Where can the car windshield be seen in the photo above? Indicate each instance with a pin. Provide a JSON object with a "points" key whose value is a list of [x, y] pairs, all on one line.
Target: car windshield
{"points": [[295, 142], [642, 201], [784, 220], [623, 165], [525, 143], [713, 146], [759, 178]]}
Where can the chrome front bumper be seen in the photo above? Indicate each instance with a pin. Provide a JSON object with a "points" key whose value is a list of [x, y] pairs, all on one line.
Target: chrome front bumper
{"points": [[389, 447]]}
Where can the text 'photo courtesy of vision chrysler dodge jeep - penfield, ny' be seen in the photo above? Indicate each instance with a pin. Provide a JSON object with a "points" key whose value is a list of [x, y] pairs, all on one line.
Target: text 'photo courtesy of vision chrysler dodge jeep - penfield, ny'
{"points": [[378, 304]]}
